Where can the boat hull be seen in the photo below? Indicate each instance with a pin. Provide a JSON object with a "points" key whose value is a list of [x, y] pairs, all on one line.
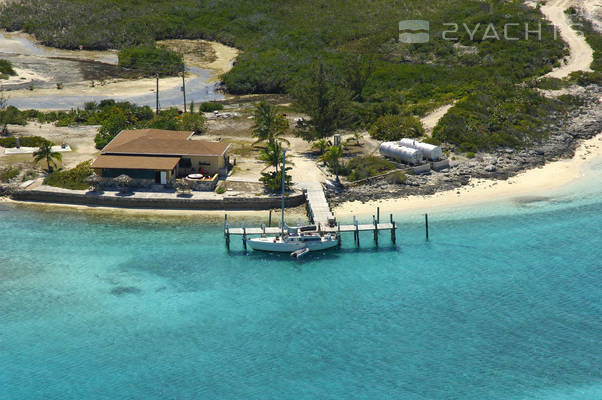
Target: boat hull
{"points": [[278, 246]]}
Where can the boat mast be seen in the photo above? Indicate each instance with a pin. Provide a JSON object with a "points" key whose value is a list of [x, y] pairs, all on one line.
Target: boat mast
{"points": [[283, 172]]}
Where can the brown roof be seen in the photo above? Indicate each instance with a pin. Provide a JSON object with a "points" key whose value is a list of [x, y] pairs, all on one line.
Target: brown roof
{"points": [[136, 162], [161, 142]]}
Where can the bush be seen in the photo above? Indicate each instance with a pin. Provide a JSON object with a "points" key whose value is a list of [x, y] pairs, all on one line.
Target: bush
{"points": [[397, 178], [365, 167], [396, 127], [470, 154], [9, 173], [272, 181], [6, 68], [151, 60], [74, 179], [26, 141], [211, 106], [221, 189]]}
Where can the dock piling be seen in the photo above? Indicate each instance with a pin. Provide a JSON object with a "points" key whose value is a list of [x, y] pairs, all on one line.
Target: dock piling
{"points": [[378, 215], [426, 225], [393, 235], [374, 221], [270, 219]]}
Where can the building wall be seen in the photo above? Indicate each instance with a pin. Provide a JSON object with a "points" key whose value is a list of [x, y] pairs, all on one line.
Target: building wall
{"points": [[211, 165], [141, 178]]}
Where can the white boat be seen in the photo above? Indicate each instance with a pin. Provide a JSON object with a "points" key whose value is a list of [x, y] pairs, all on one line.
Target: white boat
{"points": [[297, 241], [291, 242]]}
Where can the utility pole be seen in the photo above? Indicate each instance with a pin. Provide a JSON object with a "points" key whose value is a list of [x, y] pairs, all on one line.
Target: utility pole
{"points": [[184, 85], [157, 94]]}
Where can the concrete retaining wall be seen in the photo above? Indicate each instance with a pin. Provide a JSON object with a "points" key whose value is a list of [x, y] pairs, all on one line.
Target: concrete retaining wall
{"points": [[228, 203]]}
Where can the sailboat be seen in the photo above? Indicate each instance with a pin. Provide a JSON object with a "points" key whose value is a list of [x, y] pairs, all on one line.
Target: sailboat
{"points": [[297, 241]]}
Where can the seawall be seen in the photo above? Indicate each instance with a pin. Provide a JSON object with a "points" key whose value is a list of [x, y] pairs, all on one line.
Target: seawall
{"points": [[227, 203]]}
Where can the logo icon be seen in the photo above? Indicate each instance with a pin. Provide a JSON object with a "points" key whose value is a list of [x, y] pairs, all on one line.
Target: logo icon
{"points": [[414, 25]]}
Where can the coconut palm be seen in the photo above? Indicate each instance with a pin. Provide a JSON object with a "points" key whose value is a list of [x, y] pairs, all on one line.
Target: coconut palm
{"points": [[321, 145], [45, 152], [269, 124], [332, 157], [272, 154]]}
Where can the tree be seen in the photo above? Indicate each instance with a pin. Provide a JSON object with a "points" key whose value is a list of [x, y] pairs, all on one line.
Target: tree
{"points": [[272, 155], [45, 152], [269, 124], [111, 126], [192, 122], [332, 156], [321, 145], [325, 100], [358, 71], [396, 127]]}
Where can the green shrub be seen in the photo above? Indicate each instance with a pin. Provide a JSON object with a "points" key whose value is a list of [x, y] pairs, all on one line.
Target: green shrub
{"points": [[272, 181], [470, 154], [6, 68], [396, 127], [74, 179], [397, 178], [221, 189], [210, 106], [365, 167], [582, 78], [151, 60], [551, 83], [25, 141], [9, 173]]}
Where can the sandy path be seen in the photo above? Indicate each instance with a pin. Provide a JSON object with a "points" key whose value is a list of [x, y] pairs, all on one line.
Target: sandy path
{"points": [[581, 54], [431, 120]]}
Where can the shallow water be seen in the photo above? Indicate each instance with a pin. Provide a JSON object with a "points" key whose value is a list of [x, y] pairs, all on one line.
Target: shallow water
{"points": [[501, 303]]}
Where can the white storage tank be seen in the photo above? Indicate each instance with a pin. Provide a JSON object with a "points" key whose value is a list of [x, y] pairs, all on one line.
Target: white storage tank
{"points": [[402, 153], [432, 152]]}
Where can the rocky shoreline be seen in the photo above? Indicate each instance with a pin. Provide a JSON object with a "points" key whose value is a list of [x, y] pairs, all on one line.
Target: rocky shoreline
{"points": [[566, 133]]}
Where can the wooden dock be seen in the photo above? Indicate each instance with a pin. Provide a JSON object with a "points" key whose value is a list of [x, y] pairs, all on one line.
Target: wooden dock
{"points": [[317, 205], [356, 228]]}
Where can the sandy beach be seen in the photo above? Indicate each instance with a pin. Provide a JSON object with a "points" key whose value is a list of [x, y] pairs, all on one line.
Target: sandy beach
{"points": [[536, 181]]}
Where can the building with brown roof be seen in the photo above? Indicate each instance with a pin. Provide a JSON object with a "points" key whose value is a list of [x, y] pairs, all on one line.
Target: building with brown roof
{"points": [[153, 156]]}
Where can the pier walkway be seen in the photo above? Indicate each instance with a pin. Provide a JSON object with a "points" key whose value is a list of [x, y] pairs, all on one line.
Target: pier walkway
{"points": [[318, 207]]}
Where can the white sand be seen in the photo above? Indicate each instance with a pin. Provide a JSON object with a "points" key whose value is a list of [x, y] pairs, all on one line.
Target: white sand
{"points": [[581, 54], [535, 181], [431, 120]]}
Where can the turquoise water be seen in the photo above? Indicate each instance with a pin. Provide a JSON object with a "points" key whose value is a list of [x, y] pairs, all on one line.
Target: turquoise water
{"points": [[497, 305]]}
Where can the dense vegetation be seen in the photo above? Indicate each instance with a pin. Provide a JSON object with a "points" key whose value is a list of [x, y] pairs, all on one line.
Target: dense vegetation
{"points": [[8, 173], [74, 178], [392, 127], [6, 69], [25, 141], [498, 117], [366, 72], [112, 117], [365, 167], [151, 60]]}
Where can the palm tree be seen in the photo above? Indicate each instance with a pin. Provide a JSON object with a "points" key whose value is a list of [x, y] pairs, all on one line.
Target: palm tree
{"points": [[332, 156], [321, 145], [45, 153], [272, 154], [269, 124]]}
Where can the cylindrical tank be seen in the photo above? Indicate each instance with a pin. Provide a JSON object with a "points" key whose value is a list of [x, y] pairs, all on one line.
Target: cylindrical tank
{"points": [[402, 153], [432, 152]]}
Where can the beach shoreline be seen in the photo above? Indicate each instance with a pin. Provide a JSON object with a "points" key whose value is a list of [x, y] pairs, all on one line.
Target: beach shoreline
{"points": [[532, 182], [479, 192]]}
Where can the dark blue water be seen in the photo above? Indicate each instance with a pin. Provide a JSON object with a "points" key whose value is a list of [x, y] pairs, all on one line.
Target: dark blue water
{"points": [[500, 306]]}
